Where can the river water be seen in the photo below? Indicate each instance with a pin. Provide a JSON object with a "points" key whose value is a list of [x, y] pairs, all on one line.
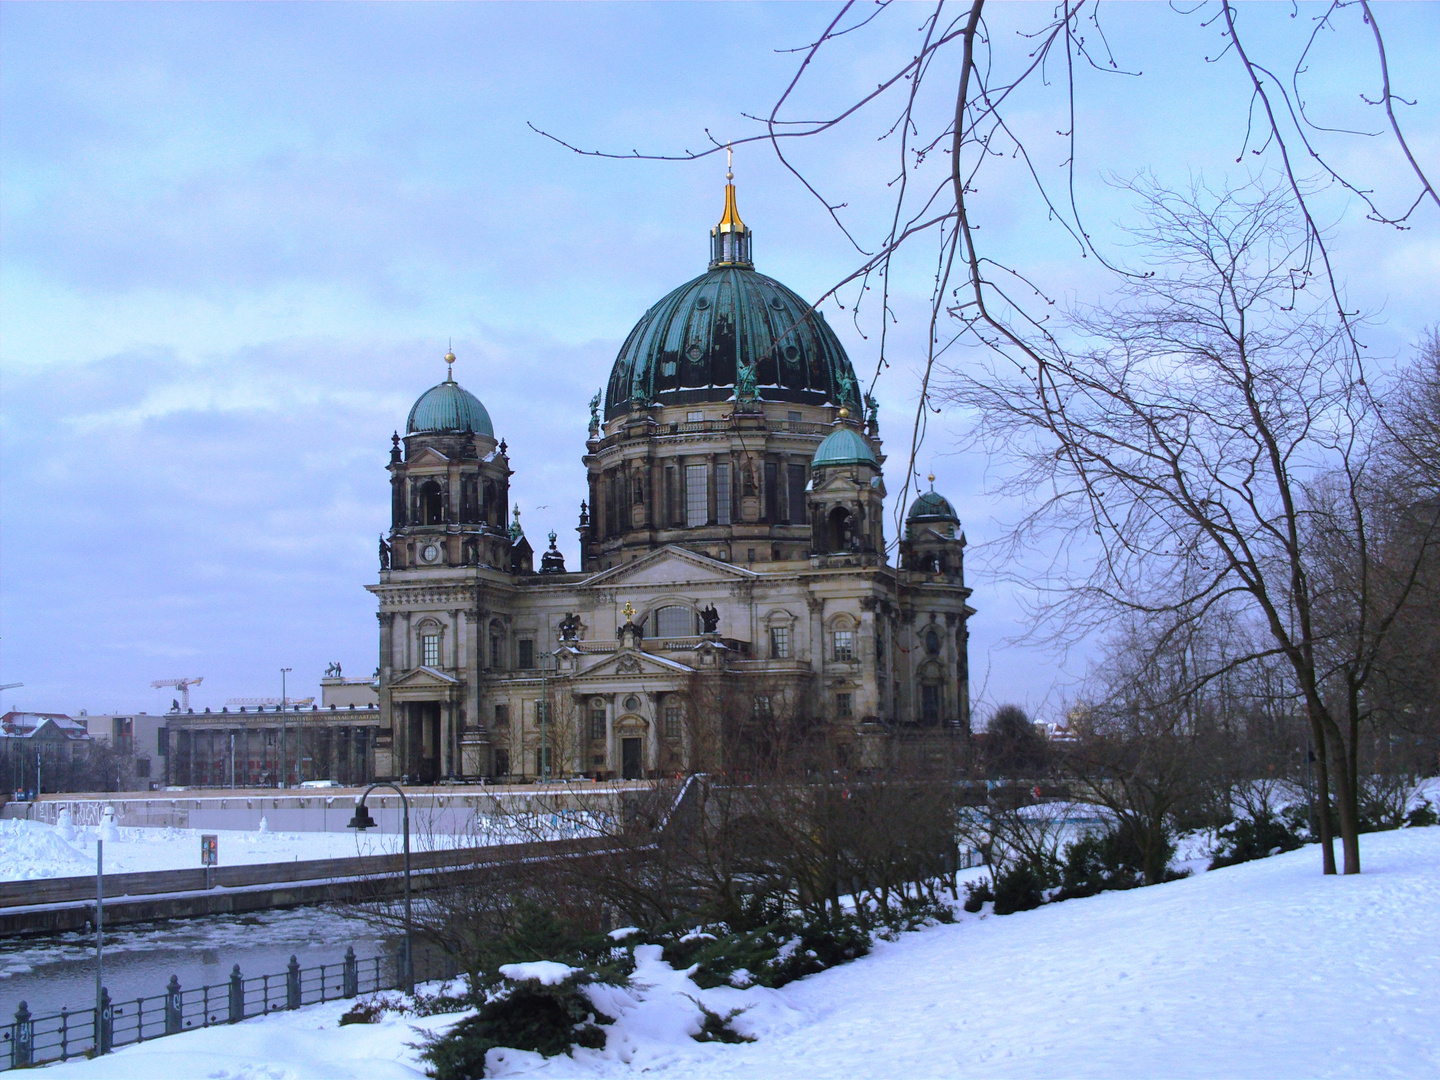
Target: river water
{"points": [[50, 972]]}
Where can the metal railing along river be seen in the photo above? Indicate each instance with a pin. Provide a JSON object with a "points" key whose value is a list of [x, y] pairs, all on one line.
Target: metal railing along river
{"points": [[36, 1040]]}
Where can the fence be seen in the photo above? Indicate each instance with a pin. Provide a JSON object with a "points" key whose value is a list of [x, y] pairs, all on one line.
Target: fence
{"points": [[36, 1040]]}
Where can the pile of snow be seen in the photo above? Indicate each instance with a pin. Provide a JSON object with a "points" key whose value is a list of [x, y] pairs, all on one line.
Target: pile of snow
{"points": [[30, 850], [1257, 970], [545, 972]]}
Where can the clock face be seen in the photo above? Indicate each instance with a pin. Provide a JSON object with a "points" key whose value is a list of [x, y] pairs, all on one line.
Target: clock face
{"points": [[430, 553]]}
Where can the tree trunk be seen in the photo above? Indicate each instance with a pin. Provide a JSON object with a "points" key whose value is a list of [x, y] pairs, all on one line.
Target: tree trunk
{"points": [[1322, 792], [1349, 806]]}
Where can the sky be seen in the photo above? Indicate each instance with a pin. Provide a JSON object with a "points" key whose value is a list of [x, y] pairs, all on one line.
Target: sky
{"points": [[236, 240]]}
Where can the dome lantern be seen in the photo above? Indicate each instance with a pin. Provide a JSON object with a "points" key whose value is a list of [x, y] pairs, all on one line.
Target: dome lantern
{"points": [[730, 238]]}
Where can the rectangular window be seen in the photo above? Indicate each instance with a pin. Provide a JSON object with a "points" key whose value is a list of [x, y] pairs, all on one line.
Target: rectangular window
{"points": [[541, 713], [672, 721], [780, 642], [722, 492], [163, 741], [694, 415], [502, 762], [142, 768], [612, 523], [843, 705], [543, 758], [597, 723], [527, 654], [502, 716], [844, 646], [792, 416], [697, 496], [430, 650], [772, 491], [672, 503], [497, 651], [795, 482]]}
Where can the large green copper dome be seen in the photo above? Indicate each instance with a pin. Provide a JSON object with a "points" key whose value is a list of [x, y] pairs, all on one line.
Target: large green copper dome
{"points": [[448, 406], [688, 346]]}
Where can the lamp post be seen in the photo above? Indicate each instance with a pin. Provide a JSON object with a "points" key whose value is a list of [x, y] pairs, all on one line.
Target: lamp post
{"points": [[362, 821], [284, 764]]}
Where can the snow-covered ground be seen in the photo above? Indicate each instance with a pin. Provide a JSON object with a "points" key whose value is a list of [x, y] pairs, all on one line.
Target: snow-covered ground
{"points": [[1259, 970]]}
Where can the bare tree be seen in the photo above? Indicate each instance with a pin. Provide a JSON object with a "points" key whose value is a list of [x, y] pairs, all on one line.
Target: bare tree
{"points": [[969, 114], [1207, 443]]}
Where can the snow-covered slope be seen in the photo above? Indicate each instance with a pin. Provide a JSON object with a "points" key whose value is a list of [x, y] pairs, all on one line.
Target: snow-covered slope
{"points": [[1260, 970]]}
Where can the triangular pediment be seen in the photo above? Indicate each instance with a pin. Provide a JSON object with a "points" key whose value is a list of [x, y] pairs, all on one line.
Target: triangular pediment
{"points": [[423, 677], [633, 662], [428, 456], [672, 565]]}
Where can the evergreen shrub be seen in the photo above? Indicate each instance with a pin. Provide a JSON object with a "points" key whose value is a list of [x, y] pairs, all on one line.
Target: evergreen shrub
{"points": [[1253, 838]]}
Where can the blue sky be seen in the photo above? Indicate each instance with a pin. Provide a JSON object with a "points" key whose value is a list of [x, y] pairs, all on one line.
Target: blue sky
{"points": [[235, 240]]}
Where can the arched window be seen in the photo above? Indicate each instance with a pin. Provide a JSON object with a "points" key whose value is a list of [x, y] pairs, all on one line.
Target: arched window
{"points": [[432, 503], [675, 621], [932, 643], [837, 530]]}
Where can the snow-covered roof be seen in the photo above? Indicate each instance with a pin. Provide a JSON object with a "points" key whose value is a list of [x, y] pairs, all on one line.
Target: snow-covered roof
{"points": [[28, 725]]}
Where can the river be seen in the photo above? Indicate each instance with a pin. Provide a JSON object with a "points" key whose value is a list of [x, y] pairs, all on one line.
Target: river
{"points": [[50, 972]]}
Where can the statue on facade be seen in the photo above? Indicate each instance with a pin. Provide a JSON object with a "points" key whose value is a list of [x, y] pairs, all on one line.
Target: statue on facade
{"points": [[710, 619], [872, 408], [332, 671], [570, 627], [595, 414], [384, 554], [846, 388], [745, 388]]}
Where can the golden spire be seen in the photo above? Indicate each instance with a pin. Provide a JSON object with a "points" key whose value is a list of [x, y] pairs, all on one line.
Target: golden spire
{"points": [[730, 221], [449, 363]]}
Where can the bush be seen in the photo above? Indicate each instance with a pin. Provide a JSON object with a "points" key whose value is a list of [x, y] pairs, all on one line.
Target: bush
{"points": [[716, 1028], [1019, 888], [523, 1016], [771, 955], [364, 1012], [1099, 862], [1422, 815], [1252, 838], [977, 893]]}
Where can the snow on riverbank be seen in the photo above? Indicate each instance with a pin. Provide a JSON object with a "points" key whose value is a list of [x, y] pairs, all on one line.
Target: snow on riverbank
{"points": [[32, 849], [1257, 970]]}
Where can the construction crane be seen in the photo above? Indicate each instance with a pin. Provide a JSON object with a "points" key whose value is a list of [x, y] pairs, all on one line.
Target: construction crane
{"points": [[183, 685]]}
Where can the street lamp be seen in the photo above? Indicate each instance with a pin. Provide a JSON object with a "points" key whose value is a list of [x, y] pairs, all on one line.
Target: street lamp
{"points": [[362, 821]]}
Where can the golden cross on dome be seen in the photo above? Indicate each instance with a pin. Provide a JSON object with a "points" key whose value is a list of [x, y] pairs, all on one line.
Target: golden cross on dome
{"points": [[628, 612]]}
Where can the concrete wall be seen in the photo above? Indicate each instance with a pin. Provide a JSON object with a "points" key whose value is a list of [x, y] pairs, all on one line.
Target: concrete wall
{"points": [[430, 813]]}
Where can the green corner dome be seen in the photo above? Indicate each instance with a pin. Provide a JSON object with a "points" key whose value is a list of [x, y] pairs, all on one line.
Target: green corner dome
{"points": [[688, 347], [844, 446], [449, 407], [931, 506]]}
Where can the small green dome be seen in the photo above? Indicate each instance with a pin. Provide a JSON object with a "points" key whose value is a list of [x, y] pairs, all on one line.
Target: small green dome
{"points": [[844, 446], [932, 506], [449, 407]]}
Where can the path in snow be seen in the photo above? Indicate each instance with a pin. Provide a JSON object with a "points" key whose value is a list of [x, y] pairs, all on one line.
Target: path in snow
{"points": [[1259, 970]]}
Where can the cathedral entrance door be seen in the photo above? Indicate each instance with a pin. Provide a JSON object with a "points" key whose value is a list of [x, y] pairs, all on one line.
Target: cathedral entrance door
{"points": [[631, 766], [425, 742]]}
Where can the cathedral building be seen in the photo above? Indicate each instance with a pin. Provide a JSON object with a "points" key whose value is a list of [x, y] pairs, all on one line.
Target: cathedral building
{"points": [[734, 576]]}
